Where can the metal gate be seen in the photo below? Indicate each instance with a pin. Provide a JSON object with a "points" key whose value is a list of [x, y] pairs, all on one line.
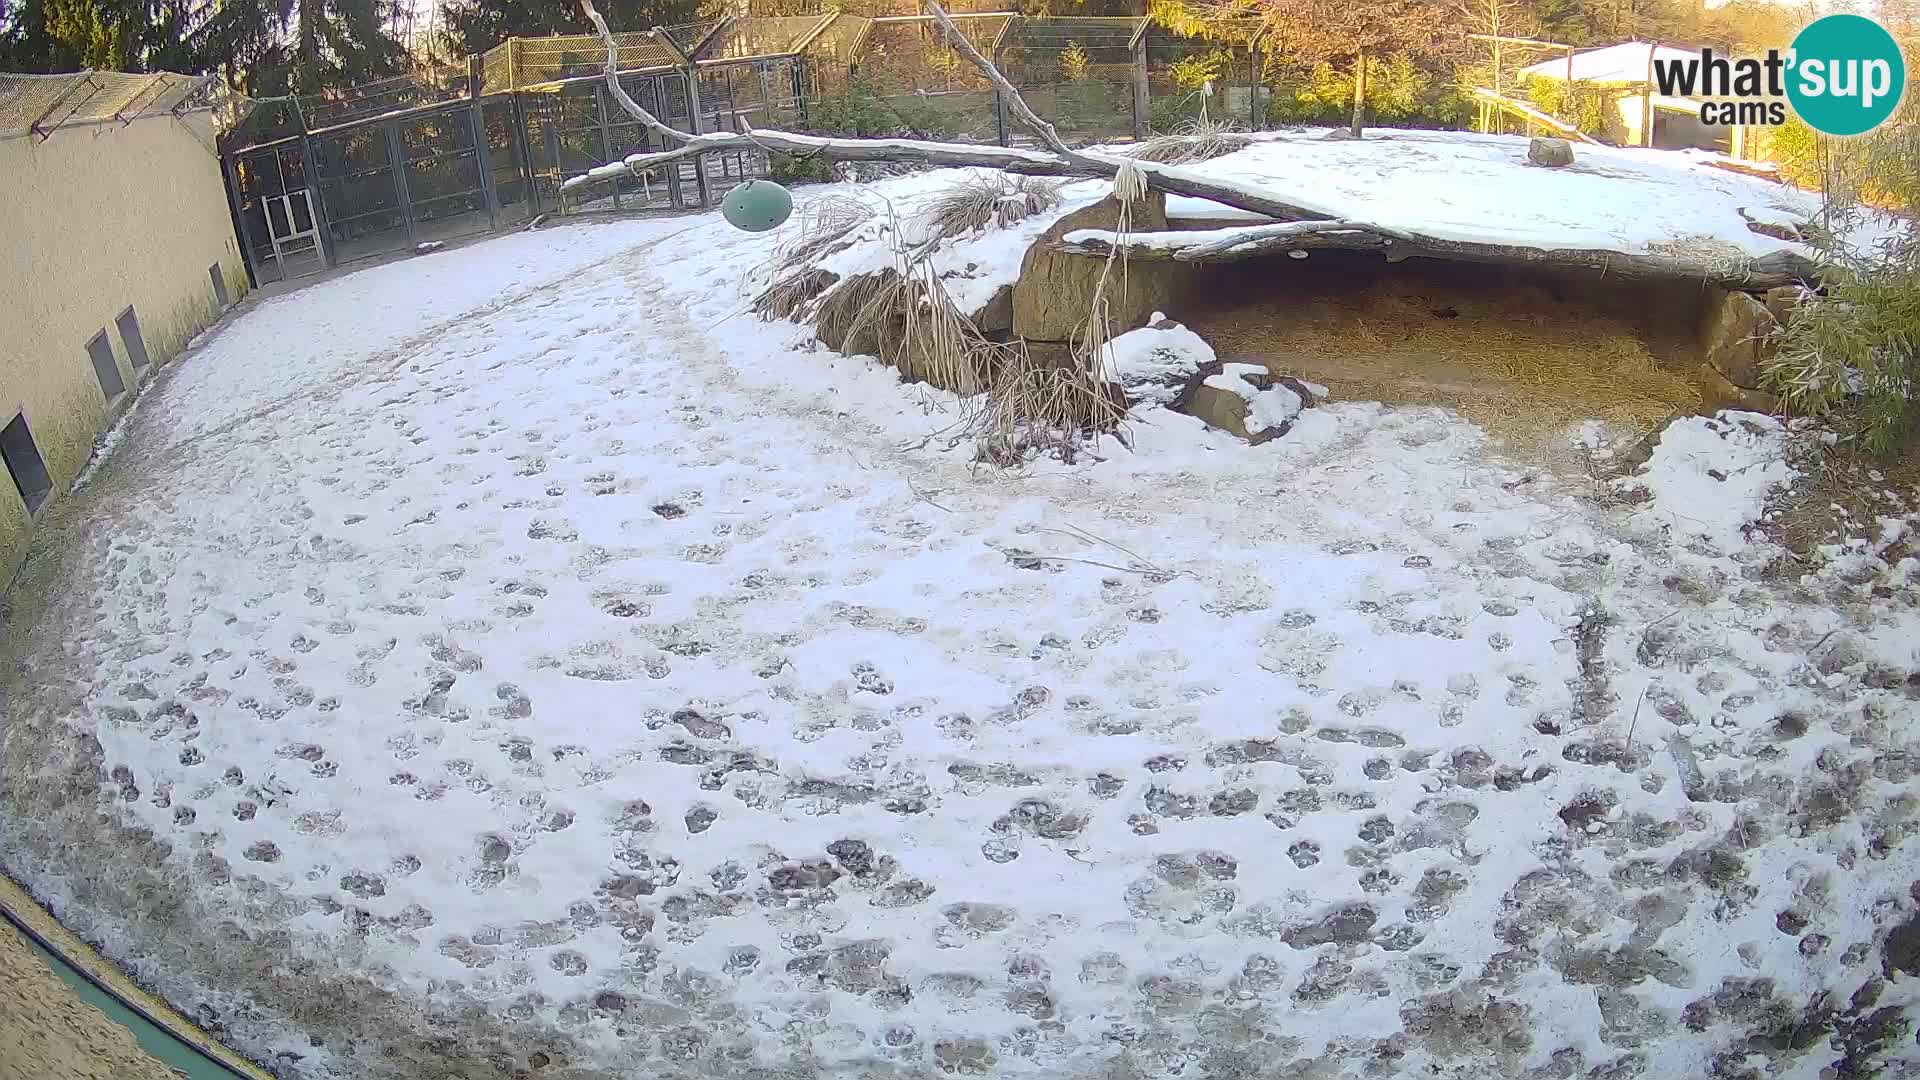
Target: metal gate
{"points": [[279, 229], [576, 127], [294, 232], [432, 175], [391, 182]]}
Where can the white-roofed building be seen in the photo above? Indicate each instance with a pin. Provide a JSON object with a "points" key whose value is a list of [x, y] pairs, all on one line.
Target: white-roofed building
{"points": [[1627, 62], [1640, 114]]}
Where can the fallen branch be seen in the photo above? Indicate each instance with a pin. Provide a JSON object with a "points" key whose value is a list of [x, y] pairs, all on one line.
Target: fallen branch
{"points": [[1011, 159]]}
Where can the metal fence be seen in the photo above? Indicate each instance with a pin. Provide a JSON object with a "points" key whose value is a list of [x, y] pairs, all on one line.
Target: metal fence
{"points": [[322, 181], [1217, 79], [37, 105], [1085, 76]]}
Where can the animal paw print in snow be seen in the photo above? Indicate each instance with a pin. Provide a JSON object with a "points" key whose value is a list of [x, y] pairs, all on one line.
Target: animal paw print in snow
{"points": [[867, 678]]}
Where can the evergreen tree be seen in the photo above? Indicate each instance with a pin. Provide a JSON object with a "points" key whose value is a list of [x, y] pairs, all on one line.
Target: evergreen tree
{"points": [[474, 26], [262, 47], [1355, 31], [1851, 352], [27, 43], [112, 35]]}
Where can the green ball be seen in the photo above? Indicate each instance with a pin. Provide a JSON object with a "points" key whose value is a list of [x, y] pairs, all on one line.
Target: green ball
{"points": [[756, 206]]}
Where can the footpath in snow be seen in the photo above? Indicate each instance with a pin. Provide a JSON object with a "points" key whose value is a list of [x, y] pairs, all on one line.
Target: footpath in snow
{"points": [[521, 658]]}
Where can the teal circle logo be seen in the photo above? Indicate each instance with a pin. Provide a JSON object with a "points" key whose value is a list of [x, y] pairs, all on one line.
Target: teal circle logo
{"points": [[1847, 75]]}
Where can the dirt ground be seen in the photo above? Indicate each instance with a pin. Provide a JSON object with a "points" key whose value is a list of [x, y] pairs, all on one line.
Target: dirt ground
{"points": [[1843, 493], [47, 1031], [1530, 356]]}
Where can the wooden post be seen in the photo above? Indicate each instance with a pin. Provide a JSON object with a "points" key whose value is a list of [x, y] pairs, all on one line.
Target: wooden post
{"points": [[1142, 109], [606, 136], [552, 127], [1497, 91], [523, 149], [999, 101], [1359, 91], [1567, 100], [693, 128], [1253, 84], [1646, 99]]}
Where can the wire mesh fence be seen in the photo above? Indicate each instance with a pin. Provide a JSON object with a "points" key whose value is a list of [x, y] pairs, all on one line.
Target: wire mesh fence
{"points": [[373, 99], [412, 160], [898, 75], [40, 104], [1215, 79], [689, 37], [1085, 76], [750, 38], [520, 63]]}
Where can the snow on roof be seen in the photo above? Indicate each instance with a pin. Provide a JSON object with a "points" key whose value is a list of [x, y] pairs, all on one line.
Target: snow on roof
{"points": [[1456, 185], [1626, 62]]}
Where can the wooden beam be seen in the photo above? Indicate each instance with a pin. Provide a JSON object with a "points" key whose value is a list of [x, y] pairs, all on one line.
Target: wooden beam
{"points": [[807, 39], [673, 46], [1535, 42], [1253, 241]]}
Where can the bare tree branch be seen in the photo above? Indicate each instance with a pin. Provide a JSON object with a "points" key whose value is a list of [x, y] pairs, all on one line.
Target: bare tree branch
{"points": [[619, 92], [1016, 105], [1059, 162], [1012, 159]]}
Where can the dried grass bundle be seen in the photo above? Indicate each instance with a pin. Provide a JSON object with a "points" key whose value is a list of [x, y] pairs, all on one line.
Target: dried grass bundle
{"points": [[823, 226], [790, 296], [1193, 141], [982, 200], [908, 320], [1015, 403], [1039, 408]]}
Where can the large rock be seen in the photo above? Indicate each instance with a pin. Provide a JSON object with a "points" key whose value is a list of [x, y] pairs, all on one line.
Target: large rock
{"points": [[1245, 400], [1052, 299], [1781, 300], [995, 320], [1156, 364], [1717, 393], [1736, 337], [1553, 153]]}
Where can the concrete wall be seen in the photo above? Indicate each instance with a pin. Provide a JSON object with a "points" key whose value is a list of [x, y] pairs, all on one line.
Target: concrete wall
{"points": [[93, 219]]}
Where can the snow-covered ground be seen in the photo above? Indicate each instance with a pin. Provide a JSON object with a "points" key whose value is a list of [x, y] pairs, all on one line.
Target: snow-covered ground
{"points": [[521, 658]]}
